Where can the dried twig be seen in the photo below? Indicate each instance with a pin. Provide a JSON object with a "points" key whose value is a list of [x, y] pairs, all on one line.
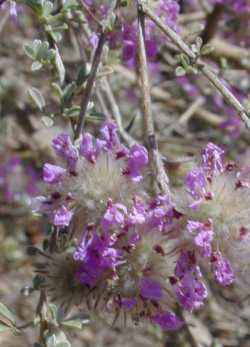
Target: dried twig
{"points": [[90, 83], [203, 67], [157, 164]]}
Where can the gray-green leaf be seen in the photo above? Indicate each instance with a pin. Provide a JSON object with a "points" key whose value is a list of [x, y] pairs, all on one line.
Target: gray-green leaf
{"points": [[36, 66], [37, 97], [59, 66], [7, 314]]}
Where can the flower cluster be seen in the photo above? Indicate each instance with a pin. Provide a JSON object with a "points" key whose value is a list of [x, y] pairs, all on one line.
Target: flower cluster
{"points": [[216, 204], [122, 266], [97, 170], [135, 256]]}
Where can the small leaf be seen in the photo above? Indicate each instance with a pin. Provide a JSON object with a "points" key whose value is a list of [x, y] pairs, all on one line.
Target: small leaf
{"points": [[59, 66], [37, 97], [72, 324], [57, 339], [72, 112], [47, 121], [68, 92], [97, 115], [47, 8], [81, 76], [36, 45], [28, 49], [36, 66], [185, 61], [58, 90], [43, 50], [180, 71], [53, 311], [207, 49], [6, 313], [4, 327]]}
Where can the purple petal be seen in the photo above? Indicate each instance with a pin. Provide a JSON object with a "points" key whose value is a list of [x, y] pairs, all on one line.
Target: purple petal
{"points": [[150, 289], [137, 160], [129, 303], [62, 217], [53, 174], [64, 148], [90, 147], [212, 159], [167, 321], [222, 270], [114, 215]]}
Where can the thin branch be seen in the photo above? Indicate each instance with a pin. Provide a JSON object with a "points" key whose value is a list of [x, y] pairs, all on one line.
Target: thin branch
{"points": [[116, 112], [204, 68], [90, 83], [157, 164], [91, 15]]}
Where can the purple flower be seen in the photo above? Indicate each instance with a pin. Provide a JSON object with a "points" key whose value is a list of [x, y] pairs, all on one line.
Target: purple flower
{"points": [[64, 148], [191, 292], [204, 236], [138, 213], [90, 147], [137, 160], [222, 269], [212, 159], [53, 174], [109, 133], [129, 303], [62, 217], [155, 217], [113, 216], [196, 182], [96, 255], [167, 321], [185, 263], [150, 289], [204, 241]]}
